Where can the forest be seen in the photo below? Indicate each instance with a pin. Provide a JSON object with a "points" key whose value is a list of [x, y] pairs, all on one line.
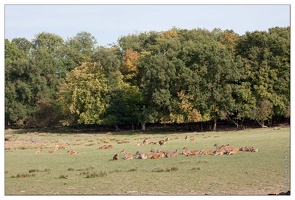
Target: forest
{"points": [[177, 76]]}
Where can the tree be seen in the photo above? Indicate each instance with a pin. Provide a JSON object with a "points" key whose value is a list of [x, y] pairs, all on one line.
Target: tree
{"points": [[19, 99], [84, 94], [266, 57], [48, 113], [124, 107], [263, 112], [75, 51]]}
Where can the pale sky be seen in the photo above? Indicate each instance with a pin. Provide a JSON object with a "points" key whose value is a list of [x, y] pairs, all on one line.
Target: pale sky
{"points": [[108, 22]]}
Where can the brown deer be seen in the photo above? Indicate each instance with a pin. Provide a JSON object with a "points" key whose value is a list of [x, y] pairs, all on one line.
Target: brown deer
{"points": [[195, 152], [244, 148], [231, 150], [110, 147], [186, 137], [171, 154], [60, 147], [253, 149], [103, 147], [140, 155], [185, 151], [159, 154], [219, 150], [116, 157], [127, 156], [71, 152], [209, 152], [150, 154], [39, 151], [145, 141], [192, 139], [51, 151], [201, 151], [192, 153], [163, 142]]}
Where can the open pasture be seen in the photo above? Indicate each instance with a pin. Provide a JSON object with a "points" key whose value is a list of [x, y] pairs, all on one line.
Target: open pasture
{"points": [[93, 171]]}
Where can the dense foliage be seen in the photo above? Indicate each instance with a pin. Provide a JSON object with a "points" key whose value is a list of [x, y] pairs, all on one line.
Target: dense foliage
{"points": [[175, 76]]}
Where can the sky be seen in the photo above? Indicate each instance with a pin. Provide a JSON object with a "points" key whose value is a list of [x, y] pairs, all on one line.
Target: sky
{"points": [[109, 22]]}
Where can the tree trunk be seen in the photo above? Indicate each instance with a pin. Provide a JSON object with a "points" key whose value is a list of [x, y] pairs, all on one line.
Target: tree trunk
{"points": [[142, 126], [215, 124], [143, 123]]}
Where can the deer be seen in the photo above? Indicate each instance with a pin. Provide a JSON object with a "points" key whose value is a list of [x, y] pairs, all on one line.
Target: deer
{"points": [[209, 152], [145, 141], [140, 155], [253, 149], [192, 139], [231, 150], [186, 137], [103, 147], [219, 150], [71, 152], [163, 142], [150, 154], [195, 152], [51, 151], [116, 157], [192, 153], [244, 148], [39, 151], [127, 156], [60, 147], [159, 154], [201, 151], [172, 154], [110, 146], [185, 151]]}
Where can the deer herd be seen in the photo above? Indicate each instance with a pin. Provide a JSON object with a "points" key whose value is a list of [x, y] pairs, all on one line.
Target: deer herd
{"points": [[153, 154], [157, 154]]}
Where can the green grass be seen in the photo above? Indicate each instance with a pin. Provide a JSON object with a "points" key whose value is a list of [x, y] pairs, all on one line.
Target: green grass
{"points": [[93, 171]]}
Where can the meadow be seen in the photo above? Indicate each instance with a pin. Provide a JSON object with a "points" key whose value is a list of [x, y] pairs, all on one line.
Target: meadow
{"points": [[94, 172]]}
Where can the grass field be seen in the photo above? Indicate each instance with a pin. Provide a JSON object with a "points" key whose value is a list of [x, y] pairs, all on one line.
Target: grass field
{"points": [[93, 171]]}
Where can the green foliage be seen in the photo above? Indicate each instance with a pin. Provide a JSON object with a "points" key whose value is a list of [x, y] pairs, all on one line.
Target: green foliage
{"points": [[83, 95], [178, 75]]}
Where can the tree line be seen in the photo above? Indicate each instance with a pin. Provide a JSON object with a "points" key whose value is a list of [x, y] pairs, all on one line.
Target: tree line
{"points": [[177, 76]]}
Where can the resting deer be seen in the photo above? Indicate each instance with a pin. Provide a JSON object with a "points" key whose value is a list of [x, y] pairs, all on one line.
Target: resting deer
{"points": [[159, 154], [219, 150], [140, 155], [127, 156], [103, 147], [186, 137], [253, 149], [163, 142], [172, 154], [185, 151], [116, 157], [201, 151], [193, 153], [244, 148], [39, 151], [51, 151], [60, 147], [192, 139], [209, 152], [231, 150], [71, 152], [110, 147], [150, 154], [145, 141]]}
